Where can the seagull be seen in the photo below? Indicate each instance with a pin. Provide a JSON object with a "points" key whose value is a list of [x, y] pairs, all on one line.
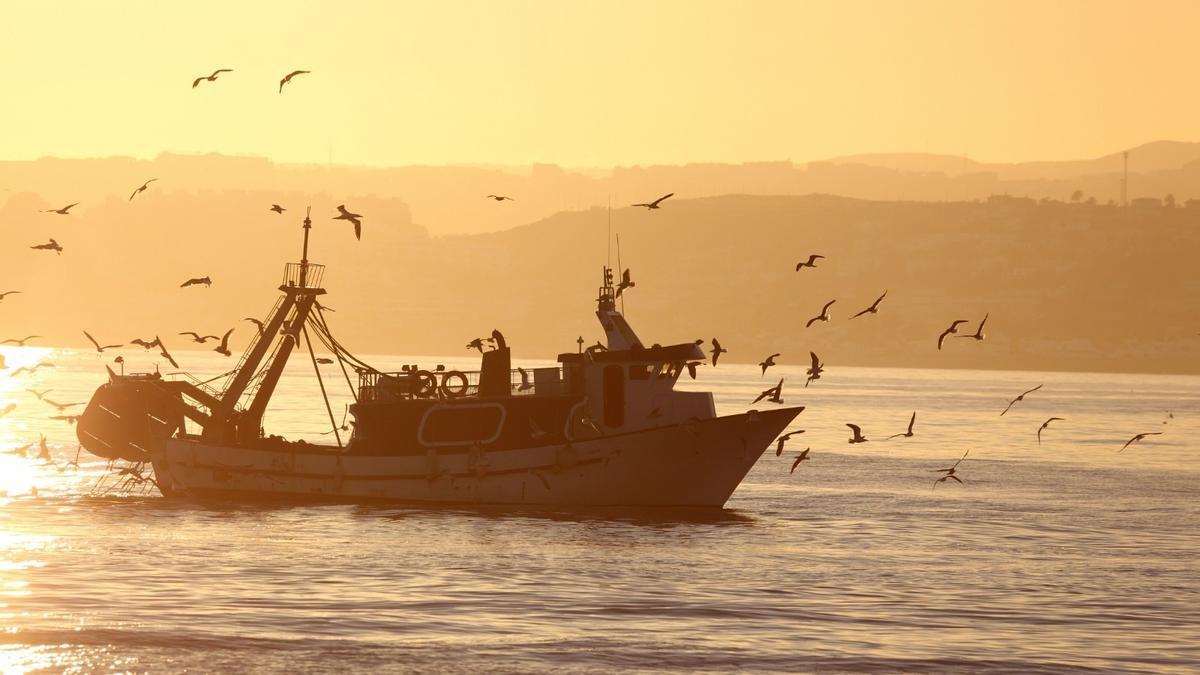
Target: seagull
{"points": [[210, 78], [144, 344], [69, 419], [61, 406], [30, 369], [7, 409], [352, 217], [288, 78], [1044, 425], [783, 439], [978, 334], [501, 198], [1139, 437], [141, 189], [823, 316], [952, 329], [773, 394], [7, 293], [21, 342], [799, 458], [256, 322], [812, 262], [857, 437], [624, 283], [277, 208], [163, 351], [198, 338], [20, 452], [717, 351], [100, 349], [525, 384], [196, 281], [874, 308], [949, 472], [1020, 398], [49, 246], [691, 368], [63, 211], [324, 361], [768, 362], [223, 348], [654, 204], [909, 433], [39, 394], [43, 449], [814, 371], [477, 343]]}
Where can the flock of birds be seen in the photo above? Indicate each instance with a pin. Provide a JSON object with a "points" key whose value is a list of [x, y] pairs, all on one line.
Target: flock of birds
{"points": [[817, 367]]}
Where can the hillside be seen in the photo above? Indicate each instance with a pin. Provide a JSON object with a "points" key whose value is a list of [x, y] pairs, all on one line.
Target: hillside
{"points": [[1068, 287]]}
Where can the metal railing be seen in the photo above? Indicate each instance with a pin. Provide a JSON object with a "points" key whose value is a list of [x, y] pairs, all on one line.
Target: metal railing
{"points": [[296, 275], [412, 384]]}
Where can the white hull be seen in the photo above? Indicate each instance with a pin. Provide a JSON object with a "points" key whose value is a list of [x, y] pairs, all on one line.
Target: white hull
{"points": [[695, 464]]}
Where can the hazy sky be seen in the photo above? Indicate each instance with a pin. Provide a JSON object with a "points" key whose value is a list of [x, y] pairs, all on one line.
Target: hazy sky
{"points": [[597, 83]]}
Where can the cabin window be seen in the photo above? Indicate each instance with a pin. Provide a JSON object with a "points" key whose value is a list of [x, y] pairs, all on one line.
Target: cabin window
{"points": [[614, 396], [639, 372]]}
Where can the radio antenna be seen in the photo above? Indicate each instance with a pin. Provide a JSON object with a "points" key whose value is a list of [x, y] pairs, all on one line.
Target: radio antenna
{"points": [[608, 240], [619, 269]]}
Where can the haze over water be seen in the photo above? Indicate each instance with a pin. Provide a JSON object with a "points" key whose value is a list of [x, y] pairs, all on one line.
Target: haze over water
{"points": [[1066, 557]]}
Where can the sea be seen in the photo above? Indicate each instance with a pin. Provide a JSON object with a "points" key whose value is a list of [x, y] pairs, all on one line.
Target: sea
{"points": [[1066, 556]]}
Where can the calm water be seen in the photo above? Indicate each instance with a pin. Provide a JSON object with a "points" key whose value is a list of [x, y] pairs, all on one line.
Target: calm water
{"points": [[1063, 557]]}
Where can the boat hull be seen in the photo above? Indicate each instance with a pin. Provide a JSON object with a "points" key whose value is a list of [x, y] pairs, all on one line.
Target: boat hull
{"points": [[699, 463]]}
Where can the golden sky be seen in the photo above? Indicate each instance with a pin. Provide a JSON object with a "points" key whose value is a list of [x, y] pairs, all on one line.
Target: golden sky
{"points": [[597, 83]]}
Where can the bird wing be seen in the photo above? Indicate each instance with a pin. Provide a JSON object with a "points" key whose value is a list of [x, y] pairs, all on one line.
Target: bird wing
{"points": [[188, 332], [912, 420], [827, 306], [880, 299], [358, 230], [981, 323], [816, 363], [865, 311], [221, 70], [855, 428], [666, 196], [92, 339], [960, 459], [942, 338], [1031, 391], [796, 463], [196, 82], [812, 321], [225, 339]]}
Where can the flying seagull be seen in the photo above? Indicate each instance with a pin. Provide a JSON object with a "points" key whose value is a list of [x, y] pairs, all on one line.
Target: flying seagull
{"points": [[1043, 427], [223, 348], [811, 262], [63, 211], [501, 198], [352, 217], [874, 308], [21, 342], [783, 439], [655, 204], [799, 458], [141, 189], [288, 78], [767, 362], [211, 78], [717, 351], [1020, 398], [909, 433], [99, 349], [195, 281], [823, 316], [773, 394], [277, 208], [526, 385], [978, 334], [49, 246], [952, 329], [198, 338], [625, 282], [949, 471], [1137, 438], [144, 344], [857, 437], [814, 371]]}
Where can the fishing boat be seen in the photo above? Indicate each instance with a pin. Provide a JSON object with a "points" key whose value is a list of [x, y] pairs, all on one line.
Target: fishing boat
{"points": [[605, 427]]}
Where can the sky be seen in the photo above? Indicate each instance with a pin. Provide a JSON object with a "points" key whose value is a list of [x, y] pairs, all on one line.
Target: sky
{"points": [[596, 84]]}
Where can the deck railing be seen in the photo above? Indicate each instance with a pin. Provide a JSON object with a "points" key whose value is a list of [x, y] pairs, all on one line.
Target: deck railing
{"points": [[447, 384], [296, 276]]}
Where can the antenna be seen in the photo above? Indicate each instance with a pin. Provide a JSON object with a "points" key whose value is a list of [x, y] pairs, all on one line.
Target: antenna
{"points": [[304, 254], [619, 269], [608, 240]]}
